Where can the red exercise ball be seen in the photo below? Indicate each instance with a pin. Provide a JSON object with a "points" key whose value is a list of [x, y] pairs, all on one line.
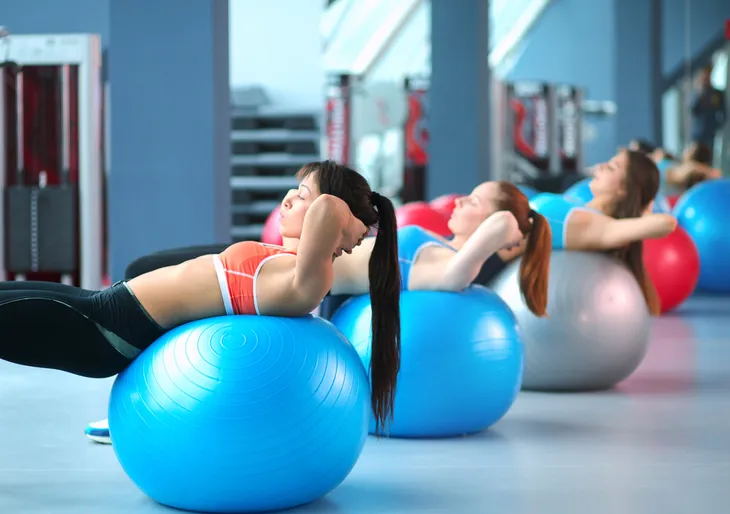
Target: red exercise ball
{"points": [[270, 234], [444, 204], [424, 216], [673, 264], [672, 200]]}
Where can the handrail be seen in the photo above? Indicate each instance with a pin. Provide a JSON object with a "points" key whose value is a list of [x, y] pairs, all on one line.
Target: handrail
{"points": [[401, 13], [386, 35], [510, 40], [344, 10]]}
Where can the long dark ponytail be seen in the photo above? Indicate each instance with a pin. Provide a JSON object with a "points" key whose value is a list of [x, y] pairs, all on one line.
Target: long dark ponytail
{"points": [[373, 210], [384, 276]]}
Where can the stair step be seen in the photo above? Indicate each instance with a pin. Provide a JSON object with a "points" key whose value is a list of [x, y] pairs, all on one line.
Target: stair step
{"points": [[265, 183], [274, 135], [272, 196], [274, 147], [268, 147], [255, 208], [273, 159], [247, 120]]}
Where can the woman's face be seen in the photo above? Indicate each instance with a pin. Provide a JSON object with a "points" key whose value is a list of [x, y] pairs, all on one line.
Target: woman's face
{"points": [[295, 206], [609, 177], [470, 211]]}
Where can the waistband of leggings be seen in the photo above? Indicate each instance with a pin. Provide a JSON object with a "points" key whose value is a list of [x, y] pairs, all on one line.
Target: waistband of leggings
{"points": [[122, 285]]}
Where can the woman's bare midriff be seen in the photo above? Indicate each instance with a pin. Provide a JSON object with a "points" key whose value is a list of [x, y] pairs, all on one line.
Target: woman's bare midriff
{"points": [[182, 293]]}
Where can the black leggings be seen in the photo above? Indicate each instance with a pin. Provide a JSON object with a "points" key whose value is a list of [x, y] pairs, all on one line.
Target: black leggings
{"points": [[89, 333]]}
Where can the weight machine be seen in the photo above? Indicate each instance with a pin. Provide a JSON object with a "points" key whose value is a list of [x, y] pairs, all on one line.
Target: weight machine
{"points": [[51, 209], [536, 132]]}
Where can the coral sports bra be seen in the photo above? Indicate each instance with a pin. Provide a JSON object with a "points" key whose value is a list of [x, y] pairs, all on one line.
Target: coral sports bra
{"points": [[237, 268]]}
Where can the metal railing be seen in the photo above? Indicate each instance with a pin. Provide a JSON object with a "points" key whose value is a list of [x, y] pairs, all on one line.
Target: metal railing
{"points": [[360, 32]]}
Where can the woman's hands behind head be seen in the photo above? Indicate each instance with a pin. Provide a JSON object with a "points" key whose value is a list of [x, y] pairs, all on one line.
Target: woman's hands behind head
{"points": [[352, 230], [508, 227]]}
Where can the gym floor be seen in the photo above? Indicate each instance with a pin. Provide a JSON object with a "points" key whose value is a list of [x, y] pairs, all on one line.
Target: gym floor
{"points": [[658, 443]]}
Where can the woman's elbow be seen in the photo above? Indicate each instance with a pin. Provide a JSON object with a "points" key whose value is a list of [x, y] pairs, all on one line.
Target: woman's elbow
{"points": [[669, 224]]}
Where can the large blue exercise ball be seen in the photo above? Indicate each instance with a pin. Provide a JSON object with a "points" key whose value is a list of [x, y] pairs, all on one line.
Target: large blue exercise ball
{"points": [[241, 413], [704, 212], [580, 192], [461, 360]]}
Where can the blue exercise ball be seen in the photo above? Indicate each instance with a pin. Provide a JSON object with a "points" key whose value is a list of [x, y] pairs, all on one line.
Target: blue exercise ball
{"points": [[241, 413], [528, 191], [461, 360], [580, 192], [703, 212]]}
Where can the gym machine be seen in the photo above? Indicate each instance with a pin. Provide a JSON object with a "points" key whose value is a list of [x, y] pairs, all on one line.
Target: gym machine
{"points": [[536, 133], [51, 209], [364, 129], [415, 144]]}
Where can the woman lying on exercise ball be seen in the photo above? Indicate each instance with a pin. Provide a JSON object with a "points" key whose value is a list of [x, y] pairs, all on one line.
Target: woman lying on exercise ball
{"points": [[97, 334], [487, 225], [618, 218]]}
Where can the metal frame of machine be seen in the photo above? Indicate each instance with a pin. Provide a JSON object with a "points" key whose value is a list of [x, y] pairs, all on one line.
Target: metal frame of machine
{"points": [[84, 51]]}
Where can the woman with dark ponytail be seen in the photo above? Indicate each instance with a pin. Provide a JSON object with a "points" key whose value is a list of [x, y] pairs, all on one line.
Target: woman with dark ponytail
{"points": [[491, 226], [383, 275], [327, 216]]}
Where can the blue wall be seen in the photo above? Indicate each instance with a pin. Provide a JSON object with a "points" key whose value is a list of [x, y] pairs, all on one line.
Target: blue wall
{"points": [[635, 86], [169, 182], [706, 22], [459, 93], [170, 173], [605, 47], [56, 17]]}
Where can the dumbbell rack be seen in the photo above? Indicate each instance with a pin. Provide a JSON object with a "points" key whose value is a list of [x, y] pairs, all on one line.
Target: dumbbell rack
{"points": [[51, 211]]}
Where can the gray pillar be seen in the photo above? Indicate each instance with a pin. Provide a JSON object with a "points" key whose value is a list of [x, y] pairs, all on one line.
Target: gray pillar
{"points": [[169, 182], [657, 73], [459, 97], [637, 94]]}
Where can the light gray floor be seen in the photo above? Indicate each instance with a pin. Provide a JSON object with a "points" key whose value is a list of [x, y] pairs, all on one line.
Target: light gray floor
{"points": [[658, 444]]}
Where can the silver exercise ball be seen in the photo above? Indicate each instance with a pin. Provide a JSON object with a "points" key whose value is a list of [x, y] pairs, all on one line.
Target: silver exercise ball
{"points": [[597, 330]]}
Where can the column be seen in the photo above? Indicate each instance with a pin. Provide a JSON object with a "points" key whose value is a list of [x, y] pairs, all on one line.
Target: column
{"points": [[637, 76], [169, 182], [459, 97]]}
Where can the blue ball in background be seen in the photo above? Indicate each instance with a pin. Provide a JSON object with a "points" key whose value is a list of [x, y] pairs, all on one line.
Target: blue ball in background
{"points": [[462, 360], [580, 192], [241, 413], [528, 191], [704, 212]]}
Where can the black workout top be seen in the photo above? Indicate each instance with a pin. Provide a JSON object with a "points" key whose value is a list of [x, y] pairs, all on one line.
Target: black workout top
{"points": [[489, 270]]}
